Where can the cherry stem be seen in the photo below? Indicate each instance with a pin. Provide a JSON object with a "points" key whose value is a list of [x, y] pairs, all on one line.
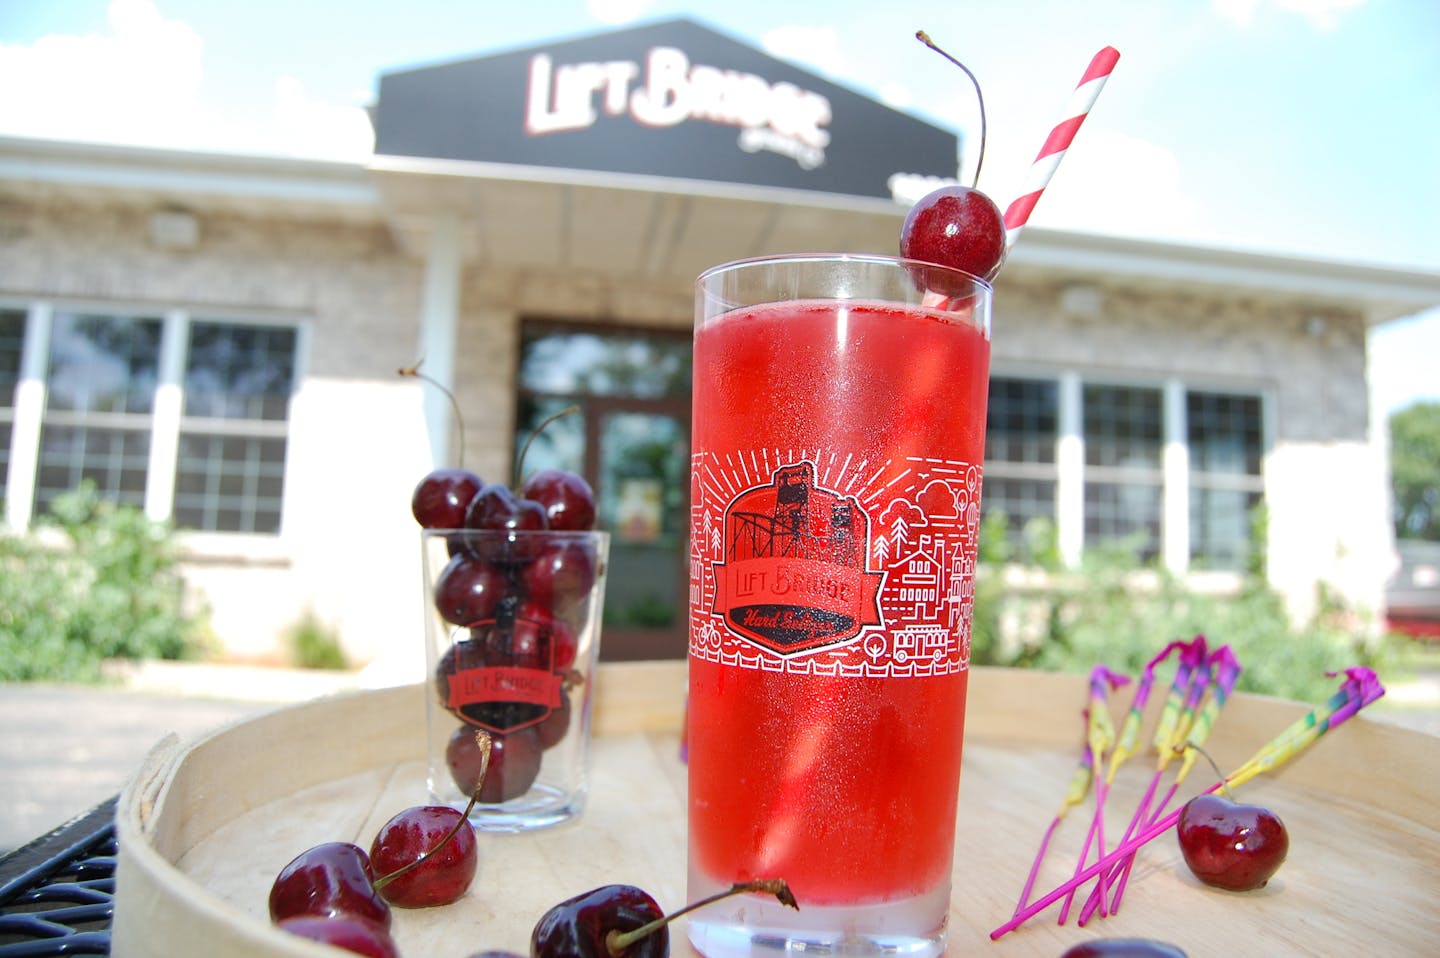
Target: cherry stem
{"points": [[414, 370], [520, 461], [924, 38], [1224, 784], [482, 739], [617, 941]]}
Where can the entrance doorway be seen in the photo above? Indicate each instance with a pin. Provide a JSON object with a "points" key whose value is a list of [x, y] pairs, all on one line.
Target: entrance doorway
{"points": [[629, 436]]}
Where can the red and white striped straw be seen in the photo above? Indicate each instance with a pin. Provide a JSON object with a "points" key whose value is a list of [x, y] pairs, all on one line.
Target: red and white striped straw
{"points": [[1059, 140]]}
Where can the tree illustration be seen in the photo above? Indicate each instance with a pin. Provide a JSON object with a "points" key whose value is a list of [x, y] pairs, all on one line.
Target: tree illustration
{"points": [[900, 532], [881, 550]]}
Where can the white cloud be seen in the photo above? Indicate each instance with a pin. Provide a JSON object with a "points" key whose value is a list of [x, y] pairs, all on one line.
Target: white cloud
{"points": [[818, 47], [142, 83], [1322, 14], [1399, 375], [1113, 183], [131, 85], [896, 94], [310, 127], [616, 12]]}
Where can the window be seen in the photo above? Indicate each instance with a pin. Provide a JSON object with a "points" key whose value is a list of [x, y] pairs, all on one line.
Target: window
{"points": [[186, 417], [230, 469], [1124, 436], [12, 341], [1022, 423], [631, 439], [1226, 446], [1118, 492], [100, 389]]}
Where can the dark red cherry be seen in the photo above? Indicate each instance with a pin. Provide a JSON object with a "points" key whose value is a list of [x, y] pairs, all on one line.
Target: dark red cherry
{"points": [[1230, 845], [553, 730], [460, 656], [514, 763], [622, 921], [1123, 948], [578, 927], [958, 227], [568, 499], [441, 498], [530, 645], [344, 931], [560, 576], [444, 876], [537, 627], [498, 509], [469, 589], [335, 878]]}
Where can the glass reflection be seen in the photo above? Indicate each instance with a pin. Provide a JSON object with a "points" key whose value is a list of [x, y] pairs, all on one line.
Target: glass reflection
{"points": [[103, 363], [239, 372]]}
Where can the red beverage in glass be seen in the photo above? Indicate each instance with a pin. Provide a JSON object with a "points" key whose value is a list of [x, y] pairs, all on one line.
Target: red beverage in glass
{"points": [[835, 506]]}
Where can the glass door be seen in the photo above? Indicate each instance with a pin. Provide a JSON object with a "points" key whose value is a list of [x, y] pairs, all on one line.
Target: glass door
{"points": [[628, 434], [643, 490]]}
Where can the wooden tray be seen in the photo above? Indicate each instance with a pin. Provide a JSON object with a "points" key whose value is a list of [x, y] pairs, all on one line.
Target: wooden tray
{"points": [[204, 829]]}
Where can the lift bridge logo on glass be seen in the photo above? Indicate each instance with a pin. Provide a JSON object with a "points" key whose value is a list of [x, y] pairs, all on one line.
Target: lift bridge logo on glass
{"points": [[833, 567]]}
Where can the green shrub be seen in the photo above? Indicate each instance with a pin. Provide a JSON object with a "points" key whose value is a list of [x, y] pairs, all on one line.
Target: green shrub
{"points": [[314, 645], [1115, 611], [107, 586]]}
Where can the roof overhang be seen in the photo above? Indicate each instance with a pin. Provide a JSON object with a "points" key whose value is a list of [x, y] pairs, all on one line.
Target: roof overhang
{"points": [[657, 229], [1380, 293], [265, 185]]}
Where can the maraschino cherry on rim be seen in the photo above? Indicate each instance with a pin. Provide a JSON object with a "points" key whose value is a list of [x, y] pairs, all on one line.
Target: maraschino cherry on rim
{"points": [[956, 226]]}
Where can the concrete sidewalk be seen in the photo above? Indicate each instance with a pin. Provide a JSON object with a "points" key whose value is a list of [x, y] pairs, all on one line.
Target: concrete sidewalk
{"points": [[66, 748]]}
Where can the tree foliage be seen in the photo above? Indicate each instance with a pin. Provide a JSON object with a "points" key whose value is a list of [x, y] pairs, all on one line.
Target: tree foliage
{"points": [[1415, 471]]}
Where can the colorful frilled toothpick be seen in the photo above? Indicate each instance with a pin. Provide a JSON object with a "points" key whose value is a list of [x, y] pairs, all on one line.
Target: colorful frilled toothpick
{"points": [[1075, 794], [1360, 688], [1221, 671], [1099, 730], [1099, 737]]}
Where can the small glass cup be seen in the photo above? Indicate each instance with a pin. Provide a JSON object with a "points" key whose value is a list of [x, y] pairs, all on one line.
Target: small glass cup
{"points": [[512, 631]]}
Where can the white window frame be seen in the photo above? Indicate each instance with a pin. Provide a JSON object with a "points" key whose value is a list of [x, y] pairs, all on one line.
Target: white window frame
{"points": [[167, 408], [1175, 454]]}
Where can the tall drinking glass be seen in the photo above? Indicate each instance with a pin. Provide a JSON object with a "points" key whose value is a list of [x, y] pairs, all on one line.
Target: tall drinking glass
{"points": [[839, 420]]}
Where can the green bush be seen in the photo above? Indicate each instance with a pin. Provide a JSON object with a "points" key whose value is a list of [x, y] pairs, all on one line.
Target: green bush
{"points": [[107, 586], [1115, 611], [314, 645]]}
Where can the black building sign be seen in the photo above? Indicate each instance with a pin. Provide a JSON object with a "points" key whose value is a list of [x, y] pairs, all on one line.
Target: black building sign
{"points": [[671, 99]]}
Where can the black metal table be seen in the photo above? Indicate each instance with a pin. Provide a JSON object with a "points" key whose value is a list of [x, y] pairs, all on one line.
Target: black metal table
{"points": [[57, 893]]}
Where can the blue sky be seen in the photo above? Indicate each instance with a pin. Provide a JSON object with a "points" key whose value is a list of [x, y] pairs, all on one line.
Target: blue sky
{"points": [[1290, 126]]}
